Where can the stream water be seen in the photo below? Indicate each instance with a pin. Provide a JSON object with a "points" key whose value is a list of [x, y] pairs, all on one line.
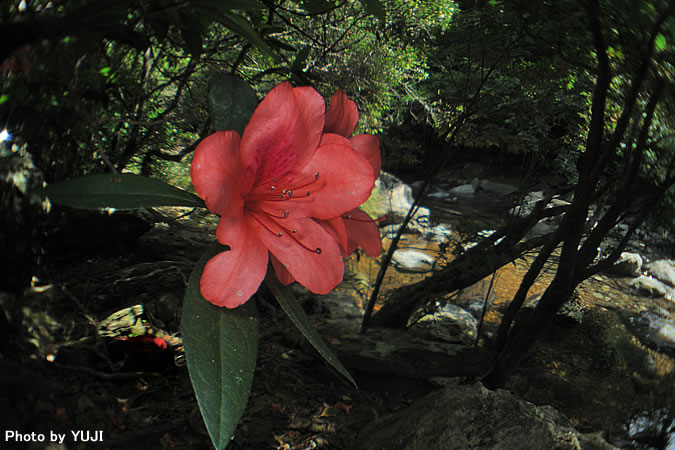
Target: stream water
{"points": [[467, 216]]}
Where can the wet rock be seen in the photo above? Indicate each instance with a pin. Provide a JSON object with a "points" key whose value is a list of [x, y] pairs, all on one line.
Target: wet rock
{"points": [[438, 233], [663, 270], [465, 190], [498, 188], [412, 261], [652, 286], [461, 417], [450, 323], [628, 265], [656, 330]]}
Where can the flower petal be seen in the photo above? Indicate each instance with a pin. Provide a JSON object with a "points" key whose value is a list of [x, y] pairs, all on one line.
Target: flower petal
{"points": [[216, 173], [345, 180], [311, 255], [336, 228], [363, 232], [283, 133], [342, 115], [368, 146], [282, 273], [230, 278]]}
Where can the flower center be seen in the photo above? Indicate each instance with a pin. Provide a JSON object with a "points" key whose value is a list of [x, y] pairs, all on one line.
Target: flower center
{"points": [[271, 197], [270, 203]]}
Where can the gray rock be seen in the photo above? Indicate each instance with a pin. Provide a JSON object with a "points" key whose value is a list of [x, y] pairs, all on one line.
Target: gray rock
{"points": [[413, 261], [440, 195], [652, 286], [465, 190], [628, 265], [656, 330], [449, 324], [498, 188], [439, 233], [663, 270], [462, 417]]}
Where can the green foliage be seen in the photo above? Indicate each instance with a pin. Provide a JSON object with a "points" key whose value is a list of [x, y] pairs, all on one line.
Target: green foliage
{"points": [[231, 103], [294, 311], [221, 347], [118, 191]]}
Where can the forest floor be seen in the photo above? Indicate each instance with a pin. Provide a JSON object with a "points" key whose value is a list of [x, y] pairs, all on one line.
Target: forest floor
{"points": [[63, 380]]}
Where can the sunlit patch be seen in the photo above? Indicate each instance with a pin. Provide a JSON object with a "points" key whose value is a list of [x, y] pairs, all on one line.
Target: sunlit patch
{"points": [[4, 135]]}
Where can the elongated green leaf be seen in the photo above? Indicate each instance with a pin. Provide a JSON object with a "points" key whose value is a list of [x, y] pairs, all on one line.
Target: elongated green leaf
{"points": [[231, 102], [241, 26], [119, 191], [300, 59], [221, 346], [292, 308]]}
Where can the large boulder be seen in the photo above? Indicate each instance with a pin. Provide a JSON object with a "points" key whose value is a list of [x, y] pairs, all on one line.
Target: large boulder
{"points": [[470, 416], [663, 270], [628, 265], [451, 323], [498, 188], [651, 286]]}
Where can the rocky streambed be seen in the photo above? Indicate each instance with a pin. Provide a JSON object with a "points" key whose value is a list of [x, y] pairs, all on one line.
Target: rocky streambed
{"points": [[608, 356]]}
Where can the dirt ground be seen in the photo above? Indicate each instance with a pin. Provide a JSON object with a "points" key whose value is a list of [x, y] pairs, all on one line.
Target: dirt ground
{"points": [[63, 377]]}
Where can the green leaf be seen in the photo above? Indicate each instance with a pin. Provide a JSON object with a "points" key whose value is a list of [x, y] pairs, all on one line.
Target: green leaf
{"points": [[660, 42], [300, 59], [191, 32], [221, 346], [3, 98], [294, 311], [231, 102], [119, 191], [241, 26], [374, 7]]}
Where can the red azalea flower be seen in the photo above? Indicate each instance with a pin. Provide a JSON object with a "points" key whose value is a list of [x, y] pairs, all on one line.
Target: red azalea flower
{"points": [[269, 186], [361, 230]]}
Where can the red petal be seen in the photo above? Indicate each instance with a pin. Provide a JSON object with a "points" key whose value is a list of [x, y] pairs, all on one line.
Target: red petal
{"points": [[368, 146], [283, 133], [363, 232], [344, 182], [216, 173], [336, 228], [230, 278], [342, 115], [283, 275], [319, 271]]}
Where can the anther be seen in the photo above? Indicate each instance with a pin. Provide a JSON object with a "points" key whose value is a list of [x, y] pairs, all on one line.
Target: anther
{"points": [[286, 213], [280, 234], [316, 176], [290, 193], [318, 250], [294, 230], [272, 188]]}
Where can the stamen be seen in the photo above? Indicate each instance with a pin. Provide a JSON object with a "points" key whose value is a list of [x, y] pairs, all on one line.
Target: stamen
{"points": [[280, 234], [318, 250], [294, 231], [286, 213], [316, 176], [272, 188]]}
